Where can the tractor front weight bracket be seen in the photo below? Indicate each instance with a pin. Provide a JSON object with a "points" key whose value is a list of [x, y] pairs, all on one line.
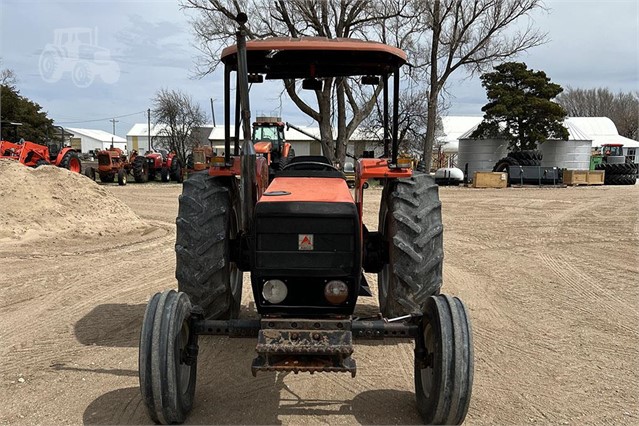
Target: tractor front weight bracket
{"points": [[310, 345]]}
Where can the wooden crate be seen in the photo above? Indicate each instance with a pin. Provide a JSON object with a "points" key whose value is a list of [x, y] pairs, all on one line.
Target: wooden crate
{"points": [[583, 177], [596, 177], [490, 180]]}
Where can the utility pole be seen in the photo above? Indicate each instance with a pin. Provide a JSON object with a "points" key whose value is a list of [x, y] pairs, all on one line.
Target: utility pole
{"points": [[148, 116], [213, 111], [113, 121]]}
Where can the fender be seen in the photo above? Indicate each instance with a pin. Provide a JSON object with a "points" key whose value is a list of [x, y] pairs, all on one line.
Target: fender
{"points": [[61, 155], [285, 149]]}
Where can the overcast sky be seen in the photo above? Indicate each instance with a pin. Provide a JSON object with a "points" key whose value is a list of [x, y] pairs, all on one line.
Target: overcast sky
{"points": [[147, 45]]}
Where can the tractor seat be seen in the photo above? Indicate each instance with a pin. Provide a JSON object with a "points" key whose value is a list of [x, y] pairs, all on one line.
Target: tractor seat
{"points": [[310, 166], [53, 150]]}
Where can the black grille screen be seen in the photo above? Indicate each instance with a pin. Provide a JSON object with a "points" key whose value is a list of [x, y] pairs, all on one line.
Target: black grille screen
{"points": [[104, 160], [333, 244]]}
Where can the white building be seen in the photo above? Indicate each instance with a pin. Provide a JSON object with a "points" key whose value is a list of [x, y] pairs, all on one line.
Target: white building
{"points": [[138, 137], [94, 140]]}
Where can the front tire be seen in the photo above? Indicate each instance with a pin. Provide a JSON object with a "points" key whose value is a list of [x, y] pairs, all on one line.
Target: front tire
{"points": [[167, 375], [121, 177], [444, 374], [411, 223], [164, 174], [207, 220]]}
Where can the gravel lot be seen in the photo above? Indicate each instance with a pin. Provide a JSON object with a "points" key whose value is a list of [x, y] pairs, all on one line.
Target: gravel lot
{"points": [[550, 277]]}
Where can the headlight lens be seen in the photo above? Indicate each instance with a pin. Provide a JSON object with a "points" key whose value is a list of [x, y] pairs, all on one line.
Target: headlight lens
{"points": [[274, 291], [336, 292]]}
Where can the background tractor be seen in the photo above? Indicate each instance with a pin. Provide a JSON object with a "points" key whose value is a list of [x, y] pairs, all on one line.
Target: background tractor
{"points": [[112, 163], [34, 154], [268, 139], [619, 169], [302, 239], [162, 164]]}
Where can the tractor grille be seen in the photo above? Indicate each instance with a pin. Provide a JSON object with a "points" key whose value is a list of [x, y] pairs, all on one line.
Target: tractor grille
{"points": [[323, 245], [104, 160], [306, 244]]}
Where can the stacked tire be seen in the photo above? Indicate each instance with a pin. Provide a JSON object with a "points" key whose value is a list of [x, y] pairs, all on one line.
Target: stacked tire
{"points": [[527, 157], [620, 173]]}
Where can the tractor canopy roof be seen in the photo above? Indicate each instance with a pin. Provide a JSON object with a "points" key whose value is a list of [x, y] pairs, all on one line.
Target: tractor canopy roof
{"points": [[310, 57]]}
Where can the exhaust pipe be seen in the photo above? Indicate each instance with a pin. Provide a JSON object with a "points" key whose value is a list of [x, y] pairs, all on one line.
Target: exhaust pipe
{"points": [[247, 178]]}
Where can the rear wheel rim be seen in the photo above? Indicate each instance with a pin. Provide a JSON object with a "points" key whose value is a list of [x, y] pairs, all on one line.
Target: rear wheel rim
{"points": [[74, 165], [183, 369], [428, 374]]}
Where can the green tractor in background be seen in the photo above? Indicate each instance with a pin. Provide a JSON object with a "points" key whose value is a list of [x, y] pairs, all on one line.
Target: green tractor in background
{"points": [[620, 170]]}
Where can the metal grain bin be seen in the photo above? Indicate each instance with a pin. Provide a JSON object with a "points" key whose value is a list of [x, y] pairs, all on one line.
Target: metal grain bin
{"points": [[480, 154], [570, 154]]}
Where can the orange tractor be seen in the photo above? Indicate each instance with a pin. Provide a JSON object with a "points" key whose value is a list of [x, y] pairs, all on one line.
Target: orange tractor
{"points": [[112, 163], [268, 140], [302, 239], [34, 154]]}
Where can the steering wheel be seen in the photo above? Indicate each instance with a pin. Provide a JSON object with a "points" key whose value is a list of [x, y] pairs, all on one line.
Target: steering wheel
{"points": [[310, 165]]}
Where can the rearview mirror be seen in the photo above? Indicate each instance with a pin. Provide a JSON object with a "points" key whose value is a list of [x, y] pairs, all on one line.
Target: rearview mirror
{"points": [[255, 78], [311, 84]]}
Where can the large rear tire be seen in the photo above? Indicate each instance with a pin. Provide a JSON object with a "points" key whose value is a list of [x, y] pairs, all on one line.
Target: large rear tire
{"points": [[208, 219], [286, 160], [527, 157], [410, 221], [620, 179], [71, 162], [140, 169], [444, 375], [167, 375], [505, 164]]}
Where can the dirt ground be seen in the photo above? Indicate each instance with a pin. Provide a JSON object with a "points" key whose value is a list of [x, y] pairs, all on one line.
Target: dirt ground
{"points": [[550, 277]]}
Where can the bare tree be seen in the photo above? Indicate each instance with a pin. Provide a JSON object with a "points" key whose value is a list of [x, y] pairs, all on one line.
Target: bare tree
{"points": [[8, 77], [472, 35], [180, 115], [622, 108], [413, 106], [214, 28], [440, 37]]}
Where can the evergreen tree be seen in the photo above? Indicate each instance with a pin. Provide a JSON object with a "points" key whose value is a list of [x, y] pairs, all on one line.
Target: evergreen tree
{"points": [[19, 109], [520, 107]]}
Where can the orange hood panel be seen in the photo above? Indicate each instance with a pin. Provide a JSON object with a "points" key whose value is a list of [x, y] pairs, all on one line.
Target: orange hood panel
{"points": [[308, 189]]}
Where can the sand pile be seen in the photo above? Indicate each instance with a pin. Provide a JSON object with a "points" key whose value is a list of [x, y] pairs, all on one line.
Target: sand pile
{"points": [[52, 201]]}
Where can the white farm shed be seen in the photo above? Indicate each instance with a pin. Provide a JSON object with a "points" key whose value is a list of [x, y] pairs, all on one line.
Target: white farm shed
{"points": [[94, 140], [138, 137], [302, 144], [601, 130]]}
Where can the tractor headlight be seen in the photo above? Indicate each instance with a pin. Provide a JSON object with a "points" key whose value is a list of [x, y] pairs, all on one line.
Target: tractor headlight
{"points": [[274, 291], [336, 292]]}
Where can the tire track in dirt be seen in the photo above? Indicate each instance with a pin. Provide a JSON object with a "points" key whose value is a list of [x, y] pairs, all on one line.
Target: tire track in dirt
{"points": [[587, 296]]}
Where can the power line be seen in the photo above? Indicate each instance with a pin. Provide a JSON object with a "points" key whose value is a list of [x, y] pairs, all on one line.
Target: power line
{"points": [[100, 119]]}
